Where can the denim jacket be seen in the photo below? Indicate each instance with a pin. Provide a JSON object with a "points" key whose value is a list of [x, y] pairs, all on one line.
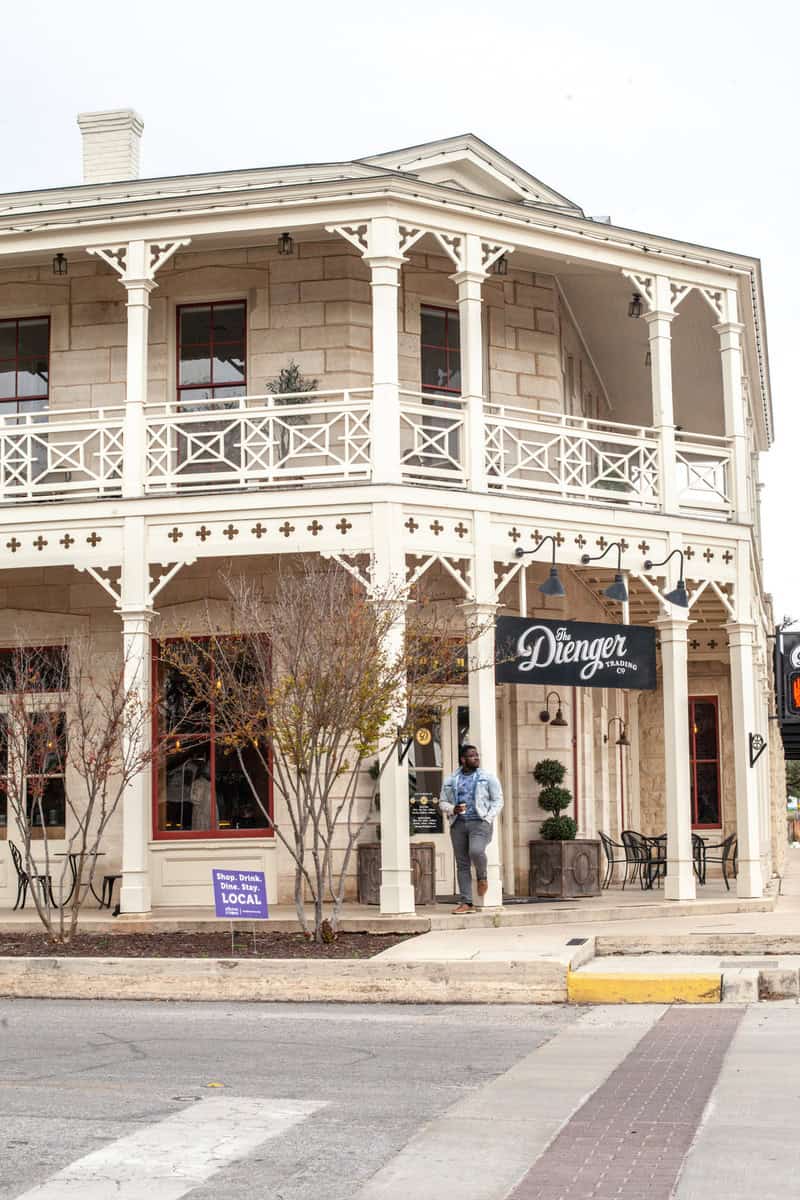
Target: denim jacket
{"points": [[488, 795]]}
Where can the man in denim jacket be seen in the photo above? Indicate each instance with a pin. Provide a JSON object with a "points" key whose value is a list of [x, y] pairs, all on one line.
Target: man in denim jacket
{"points": [[472, 798]]}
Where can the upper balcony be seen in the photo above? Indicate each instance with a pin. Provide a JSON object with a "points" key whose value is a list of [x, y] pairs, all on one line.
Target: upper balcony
{"points": [[326, 436]]}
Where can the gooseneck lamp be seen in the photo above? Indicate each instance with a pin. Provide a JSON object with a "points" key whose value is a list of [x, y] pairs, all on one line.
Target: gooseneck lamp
{"points": [[616, 590], [678, 596], [552, 586]]}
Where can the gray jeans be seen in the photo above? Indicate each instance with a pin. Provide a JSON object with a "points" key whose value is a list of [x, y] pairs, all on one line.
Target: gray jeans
{"points": [[470, 839]]}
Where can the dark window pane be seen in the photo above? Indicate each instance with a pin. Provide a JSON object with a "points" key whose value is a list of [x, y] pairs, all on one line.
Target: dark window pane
{"points": [[188, 781], [228, 323], [34, 338], [238, 804], [705, 730], [32, 377], [195, 366], [453, 332], [229, 363], [433, 326], [185, 703], [434, 368], [454, 378], [707, 793], [8, 339], [195, 325], [8, 379]]}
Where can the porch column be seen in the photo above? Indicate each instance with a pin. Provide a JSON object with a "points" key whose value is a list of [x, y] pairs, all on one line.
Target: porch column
{"points": [[470, 307], [385, 260], [679, 884], [659, 334], [137, 615], [482, 702], [740, 642], [138, 285], [397, 892], [730, 346]]}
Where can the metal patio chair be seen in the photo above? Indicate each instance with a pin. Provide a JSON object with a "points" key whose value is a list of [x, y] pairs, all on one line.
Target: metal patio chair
{"points": [[609, 846], [26, 879], [640, 861], [727, 855]]}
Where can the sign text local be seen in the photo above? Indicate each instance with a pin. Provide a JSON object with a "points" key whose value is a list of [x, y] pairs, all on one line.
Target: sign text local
{"points": [[240, 894], [575, 653]]}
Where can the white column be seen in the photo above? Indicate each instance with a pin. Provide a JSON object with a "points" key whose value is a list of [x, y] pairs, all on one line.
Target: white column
{"points": [[740, 642], [660, 343], [136, 801], [470, 304], [385, 260], [139, 283], [397, 892], [730, 346], [634, 792], [482, 701], [679, 884]]}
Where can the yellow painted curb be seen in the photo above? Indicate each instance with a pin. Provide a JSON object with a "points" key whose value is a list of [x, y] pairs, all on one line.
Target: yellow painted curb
{"points": [[638, 988]]}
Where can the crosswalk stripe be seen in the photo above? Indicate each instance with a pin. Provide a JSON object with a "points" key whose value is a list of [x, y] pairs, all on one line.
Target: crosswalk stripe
{"points": [[166, 1160]]}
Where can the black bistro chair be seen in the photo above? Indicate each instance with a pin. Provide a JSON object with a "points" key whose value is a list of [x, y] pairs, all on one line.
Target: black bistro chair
{"points": [[727, 855], [609, 846], [26, 879], [639, 858]]}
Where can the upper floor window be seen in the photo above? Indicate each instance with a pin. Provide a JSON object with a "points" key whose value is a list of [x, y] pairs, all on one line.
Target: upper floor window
{"points": [[211, 351], [440, 350], [24, 364], [705, 765]]}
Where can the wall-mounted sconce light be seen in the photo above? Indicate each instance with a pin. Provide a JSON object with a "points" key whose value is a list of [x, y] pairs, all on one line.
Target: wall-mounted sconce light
{"points": [[679, 596], [60, 264], [635, 306], [558, 720], [552, 586], [286, 244], [622, 740], [501, 266], [616, 590]]}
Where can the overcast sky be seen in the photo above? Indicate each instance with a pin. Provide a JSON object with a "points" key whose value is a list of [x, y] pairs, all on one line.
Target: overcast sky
{"points": [[678, 119]]}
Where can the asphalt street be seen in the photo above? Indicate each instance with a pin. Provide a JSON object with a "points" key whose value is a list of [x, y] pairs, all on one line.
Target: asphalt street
{"points": [[290, 1102]]}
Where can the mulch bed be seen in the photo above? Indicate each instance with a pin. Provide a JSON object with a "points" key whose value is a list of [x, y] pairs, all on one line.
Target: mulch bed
{"points": [[197, 945]]}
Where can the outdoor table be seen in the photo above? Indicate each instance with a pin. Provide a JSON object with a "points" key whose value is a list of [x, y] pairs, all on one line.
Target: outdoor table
{"points": [[73, 857], [657, 849]]}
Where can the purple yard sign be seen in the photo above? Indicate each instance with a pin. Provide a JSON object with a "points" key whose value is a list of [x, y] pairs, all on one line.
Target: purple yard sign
{"points": [[240, 894]]}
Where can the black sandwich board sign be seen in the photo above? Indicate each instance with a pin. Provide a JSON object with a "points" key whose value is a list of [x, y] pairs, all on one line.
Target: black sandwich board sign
{"points": [[575, 653]]}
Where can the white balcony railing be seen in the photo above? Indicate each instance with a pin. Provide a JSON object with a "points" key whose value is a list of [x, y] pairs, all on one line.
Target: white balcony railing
{"points": [[571, 457], [258, 440], [273, 441]]}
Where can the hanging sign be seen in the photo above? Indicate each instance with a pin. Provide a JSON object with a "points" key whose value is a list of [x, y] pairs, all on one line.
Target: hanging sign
{"points": [[424, 814], [575, 653]]}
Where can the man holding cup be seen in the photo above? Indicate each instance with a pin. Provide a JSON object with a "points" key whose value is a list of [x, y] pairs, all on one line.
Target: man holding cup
{"points": [[471, 798]]}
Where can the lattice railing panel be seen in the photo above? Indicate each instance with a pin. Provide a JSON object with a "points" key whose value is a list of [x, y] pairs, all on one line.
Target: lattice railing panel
{"points": [[432, 438], [703, 475], [51, 454]]}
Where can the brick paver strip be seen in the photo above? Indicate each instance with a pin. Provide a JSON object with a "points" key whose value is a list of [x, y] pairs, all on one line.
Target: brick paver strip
{"points": [[629, 1140]]}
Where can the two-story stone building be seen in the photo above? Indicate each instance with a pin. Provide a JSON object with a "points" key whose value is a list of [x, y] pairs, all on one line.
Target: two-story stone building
{"points": [[492, 367]]}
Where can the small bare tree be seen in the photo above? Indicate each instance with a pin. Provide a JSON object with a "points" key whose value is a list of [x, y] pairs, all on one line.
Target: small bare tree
{"points": [[311, 685], [75, 735]]}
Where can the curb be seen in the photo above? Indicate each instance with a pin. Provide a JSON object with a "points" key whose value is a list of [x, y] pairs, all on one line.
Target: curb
{"points": [[640, 988], [365, 981]]}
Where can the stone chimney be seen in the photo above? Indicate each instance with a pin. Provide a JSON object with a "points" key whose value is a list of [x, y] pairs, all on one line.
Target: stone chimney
{"points": [[110, 145]]}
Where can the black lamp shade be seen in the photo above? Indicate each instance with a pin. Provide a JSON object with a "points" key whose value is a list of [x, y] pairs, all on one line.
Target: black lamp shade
{"points": [[622, 740], [552, 586], [635, 306], [679, 596], [558, 719], [617, 590], [501, 266], [285, 244]]}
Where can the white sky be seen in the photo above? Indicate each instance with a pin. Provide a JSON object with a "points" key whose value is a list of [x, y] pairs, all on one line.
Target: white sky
{"points": [[678, 119]]}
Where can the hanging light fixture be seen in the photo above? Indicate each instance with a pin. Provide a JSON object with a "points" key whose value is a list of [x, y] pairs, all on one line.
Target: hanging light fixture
{"points": [[635, 306], [286, 244], [60, 264], [501, 266], [558, 720], [552, 586], [648, 359], [678, 596], [622, 740], [616, 590]]}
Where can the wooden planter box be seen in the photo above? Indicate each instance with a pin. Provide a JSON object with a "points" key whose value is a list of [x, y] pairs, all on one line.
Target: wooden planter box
{"points": [[423, 872], [564, 870]]}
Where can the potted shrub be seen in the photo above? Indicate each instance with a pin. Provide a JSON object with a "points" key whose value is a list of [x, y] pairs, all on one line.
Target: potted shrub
{"points": [[288, 382], [561, 865]]}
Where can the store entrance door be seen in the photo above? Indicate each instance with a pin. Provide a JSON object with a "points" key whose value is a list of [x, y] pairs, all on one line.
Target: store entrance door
{"points": [[433, 755]]}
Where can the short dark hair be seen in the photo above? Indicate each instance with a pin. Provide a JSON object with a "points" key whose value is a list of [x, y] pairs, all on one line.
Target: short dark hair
{"points": [[462, 750]]}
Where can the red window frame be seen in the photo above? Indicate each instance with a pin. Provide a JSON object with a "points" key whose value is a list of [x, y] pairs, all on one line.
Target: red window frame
{"points": [[454, 352], [214, 832], [694, 761], [184, 390], [16, 399]]}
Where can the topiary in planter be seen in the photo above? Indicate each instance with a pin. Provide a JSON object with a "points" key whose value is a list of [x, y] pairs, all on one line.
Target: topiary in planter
{"points": [[553, 798]]}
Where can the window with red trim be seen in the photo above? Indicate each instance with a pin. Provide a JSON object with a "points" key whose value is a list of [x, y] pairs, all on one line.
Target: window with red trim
{"points": [[704, 762], [211, 352], [24, 364], [200, 788], [440, 350]]}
